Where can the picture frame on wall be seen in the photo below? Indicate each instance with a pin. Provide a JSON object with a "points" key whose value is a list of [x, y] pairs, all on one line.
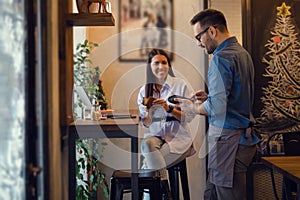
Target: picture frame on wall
{"points": [[144, 25]]}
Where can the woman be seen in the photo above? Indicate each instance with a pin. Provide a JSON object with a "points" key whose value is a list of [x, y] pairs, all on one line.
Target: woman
{"points": [[168, 140]]}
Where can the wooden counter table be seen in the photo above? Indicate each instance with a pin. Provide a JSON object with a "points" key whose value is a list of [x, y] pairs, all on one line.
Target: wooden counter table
{"points": [[288, 166], [121, 127]]}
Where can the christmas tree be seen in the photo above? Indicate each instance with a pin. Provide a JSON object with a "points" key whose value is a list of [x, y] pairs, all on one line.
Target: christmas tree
{"points": [[281, 97]]}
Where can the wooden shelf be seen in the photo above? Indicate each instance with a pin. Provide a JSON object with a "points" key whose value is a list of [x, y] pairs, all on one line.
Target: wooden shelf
{"points": [[90, 19]]}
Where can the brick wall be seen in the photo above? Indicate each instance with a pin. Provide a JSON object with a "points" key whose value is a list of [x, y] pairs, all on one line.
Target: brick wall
{"points": [[12, 100]]}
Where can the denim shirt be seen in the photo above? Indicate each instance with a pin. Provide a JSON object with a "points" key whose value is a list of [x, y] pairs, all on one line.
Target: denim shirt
{"points": [[230, 86], [229, 103]]}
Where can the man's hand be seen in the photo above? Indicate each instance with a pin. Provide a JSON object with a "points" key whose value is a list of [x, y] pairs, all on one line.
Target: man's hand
{"points": [[186, 105], [200, 95]]}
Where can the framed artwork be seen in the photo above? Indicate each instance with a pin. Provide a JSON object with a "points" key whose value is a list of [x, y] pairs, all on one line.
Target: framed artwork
{"points": [[143, 25], [271, 35]]}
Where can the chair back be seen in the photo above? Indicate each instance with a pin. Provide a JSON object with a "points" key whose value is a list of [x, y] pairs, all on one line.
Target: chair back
{"points": [[284, 144], [291, 143]]}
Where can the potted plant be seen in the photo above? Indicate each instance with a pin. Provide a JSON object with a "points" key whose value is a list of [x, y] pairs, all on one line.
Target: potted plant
{"points": [[88, 174], [87, 76]]}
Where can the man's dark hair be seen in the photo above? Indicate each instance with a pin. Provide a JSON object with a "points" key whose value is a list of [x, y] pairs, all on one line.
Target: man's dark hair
{"points": [[210, 17]]}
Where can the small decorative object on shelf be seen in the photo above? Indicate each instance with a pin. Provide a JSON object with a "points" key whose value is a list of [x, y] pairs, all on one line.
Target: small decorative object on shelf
{"points": [[83, 6], [87, 112], [106, 8], [96, 113]]}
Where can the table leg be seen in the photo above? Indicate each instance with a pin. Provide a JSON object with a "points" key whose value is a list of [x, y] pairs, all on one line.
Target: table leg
{"points": [[72, 160], [298, 192], [134, 166]]}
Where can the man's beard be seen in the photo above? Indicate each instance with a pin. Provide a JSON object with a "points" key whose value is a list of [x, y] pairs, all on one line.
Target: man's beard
{"points": [[210, 45]]}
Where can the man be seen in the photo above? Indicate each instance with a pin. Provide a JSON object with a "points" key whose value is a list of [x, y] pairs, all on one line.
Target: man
{"points": [[228, 104]]}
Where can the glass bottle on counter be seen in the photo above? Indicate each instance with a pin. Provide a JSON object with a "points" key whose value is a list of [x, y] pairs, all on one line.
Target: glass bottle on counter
{"points": [[87, 112], [96, 112]]}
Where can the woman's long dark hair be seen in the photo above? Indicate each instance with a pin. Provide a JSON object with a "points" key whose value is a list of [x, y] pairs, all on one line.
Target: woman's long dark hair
{"points": [[151, 79]]}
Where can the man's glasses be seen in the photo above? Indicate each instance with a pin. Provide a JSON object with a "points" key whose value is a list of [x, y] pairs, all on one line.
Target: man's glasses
{"points": [[198, 36]]}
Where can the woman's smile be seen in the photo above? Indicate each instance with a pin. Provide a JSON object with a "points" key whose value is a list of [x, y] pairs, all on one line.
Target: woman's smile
{"points": [[160, 67]]}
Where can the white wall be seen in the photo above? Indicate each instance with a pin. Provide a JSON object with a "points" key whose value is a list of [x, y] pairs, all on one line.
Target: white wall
{"points": [[232, 10]]}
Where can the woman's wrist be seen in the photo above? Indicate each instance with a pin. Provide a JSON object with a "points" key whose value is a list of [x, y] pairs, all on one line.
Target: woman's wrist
{"points": [[171, 108]]}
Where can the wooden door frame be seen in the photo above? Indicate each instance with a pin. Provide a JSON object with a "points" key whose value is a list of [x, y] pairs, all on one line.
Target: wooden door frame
{"points": [[36, 119]]}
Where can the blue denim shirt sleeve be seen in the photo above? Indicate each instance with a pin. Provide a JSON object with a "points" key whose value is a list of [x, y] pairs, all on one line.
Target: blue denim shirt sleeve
{"points": [[219, 81], [230, 86]]}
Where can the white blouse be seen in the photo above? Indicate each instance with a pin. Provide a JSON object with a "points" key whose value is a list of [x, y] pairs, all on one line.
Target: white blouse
{"points": [[175, 133]]}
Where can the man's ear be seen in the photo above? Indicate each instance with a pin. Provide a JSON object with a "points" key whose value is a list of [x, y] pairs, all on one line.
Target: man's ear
{"points": [[213, 32]]}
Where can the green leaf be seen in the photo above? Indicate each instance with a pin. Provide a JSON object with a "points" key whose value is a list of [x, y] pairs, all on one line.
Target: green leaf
{"points": [[80, 176], [87, 76], [105, 192]]}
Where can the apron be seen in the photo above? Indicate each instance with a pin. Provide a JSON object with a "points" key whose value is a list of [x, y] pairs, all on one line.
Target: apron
{"points": [[222, 148]]}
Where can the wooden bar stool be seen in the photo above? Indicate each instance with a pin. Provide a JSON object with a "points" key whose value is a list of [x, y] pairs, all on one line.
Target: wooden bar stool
{"points": [[174, 171], [120, 183]]}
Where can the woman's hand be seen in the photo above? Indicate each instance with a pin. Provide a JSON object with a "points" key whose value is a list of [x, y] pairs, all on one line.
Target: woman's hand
{"points": [[177, 113], [162, 102], [148, 102], [147, 120]]}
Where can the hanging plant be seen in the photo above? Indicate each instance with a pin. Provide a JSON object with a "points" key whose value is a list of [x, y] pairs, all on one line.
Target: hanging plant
{"points": [[100, 95], [87, 76], [89, 177]]}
